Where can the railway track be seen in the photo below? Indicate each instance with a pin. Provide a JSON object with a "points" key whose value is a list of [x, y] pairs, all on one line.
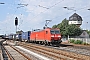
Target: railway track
{"points": [[84, 50], [14, 54], [54, 54], [81, 47], [3, 53], [70, 52]]}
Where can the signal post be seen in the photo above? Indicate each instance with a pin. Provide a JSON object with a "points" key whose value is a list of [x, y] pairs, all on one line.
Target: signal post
{"points": [[16, 23]]}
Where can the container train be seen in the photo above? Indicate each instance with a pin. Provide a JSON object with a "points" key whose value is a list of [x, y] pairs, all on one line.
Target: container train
{"points": [[25, 36], [48, 36]]}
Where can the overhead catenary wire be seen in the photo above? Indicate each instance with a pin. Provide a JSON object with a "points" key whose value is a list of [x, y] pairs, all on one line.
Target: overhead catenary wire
{"points": [[43, 7], [73, 10], [47, 7], [56, 4], [52, 5], [19, 6]]}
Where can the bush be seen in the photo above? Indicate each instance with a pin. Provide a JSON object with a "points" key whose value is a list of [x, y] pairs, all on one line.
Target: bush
{"points": [[71, 40], [84, 43], [78, 42]]}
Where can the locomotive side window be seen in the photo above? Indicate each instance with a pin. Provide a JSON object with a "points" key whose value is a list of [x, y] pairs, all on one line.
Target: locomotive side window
{"points": [[46, 32]]}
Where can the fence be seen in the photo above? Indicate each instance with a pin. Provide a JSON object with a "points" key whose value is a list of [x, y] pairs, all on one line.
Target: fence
{"points": [[87, 40], [67, 38]]}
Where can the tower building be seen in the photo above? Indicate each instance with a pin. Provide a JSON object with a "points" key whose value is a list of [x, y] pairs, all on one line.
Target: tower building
{"points": [[75, 19]]}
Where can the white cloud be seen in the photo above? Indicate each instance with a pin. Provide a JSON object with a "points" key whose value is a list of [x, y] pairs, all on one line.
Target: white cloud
{"points": [[36, 12]]}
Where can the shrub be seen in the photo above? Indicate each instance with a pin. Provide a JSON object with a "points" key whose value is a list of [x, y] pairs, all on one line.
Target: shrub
{"points": [[84, 43], [78, 42], [72, 40]]}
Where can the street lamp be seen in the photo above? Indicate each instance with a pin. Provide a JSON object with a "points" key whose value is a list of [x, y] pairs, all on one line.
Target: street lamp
{"points": [[71, 8], [65, 7], [2, 3]]}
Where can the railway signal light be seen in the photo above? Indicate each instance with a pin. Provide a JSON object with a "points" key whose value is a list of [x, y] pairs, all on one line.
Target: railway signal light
{"points": [[16, 21]]}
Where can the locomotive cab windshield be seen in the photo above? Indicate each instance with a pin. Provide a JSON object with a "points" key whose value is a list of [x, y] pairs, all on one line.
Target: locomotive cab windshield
{"points": [[55, 32], [55, 36]]}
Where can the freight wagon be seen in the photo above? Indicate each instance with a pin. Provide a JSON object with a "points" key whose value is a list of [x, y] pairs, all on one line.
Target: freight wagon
{"points": [[16, 37], [25, 36], [10, 36]]}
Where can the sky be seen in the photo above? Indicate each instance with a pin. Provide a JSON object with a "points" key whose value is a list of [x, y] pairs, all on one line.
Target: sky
{"points": [[32, 14]]}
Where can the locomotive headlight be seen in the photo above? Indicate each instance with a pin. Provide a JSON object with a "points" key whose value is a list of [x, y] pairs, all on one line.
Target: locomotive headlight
{"points": [[59, 36], [52, 36]]}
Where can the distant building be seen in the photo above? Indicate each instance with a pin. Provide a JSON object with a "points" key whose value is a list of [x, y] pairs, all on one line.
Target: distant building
{"points": [[84, 34], [75, 19]]}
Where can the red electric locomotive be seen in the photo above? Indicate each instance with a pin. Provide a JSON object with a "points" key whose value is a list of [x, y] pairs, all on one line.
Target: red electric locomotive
{"points": [[46, 36]]}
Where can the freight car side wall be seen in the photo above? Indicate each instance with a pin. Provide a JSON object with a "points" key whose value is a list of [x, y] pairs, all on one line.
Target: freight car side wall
{"points": [[26, 35]]}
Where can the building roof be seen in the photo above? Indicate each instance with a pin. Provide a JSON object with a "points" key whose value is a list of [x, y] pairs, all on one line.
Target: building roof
{"points": [[84, 34], [75, 17]]}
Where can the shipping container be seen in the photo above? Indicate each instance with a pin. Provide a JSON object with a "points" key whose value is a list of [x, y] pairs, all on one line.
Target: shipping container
{"points": [[26, 36], [10, 36]]}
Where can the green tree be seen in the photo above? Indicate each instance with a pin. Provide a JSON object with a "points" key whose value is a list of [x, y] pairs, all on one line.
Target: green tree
{"points": [[55, 26], [88, 31], [62, 26], [67, 29], [73, 30]]}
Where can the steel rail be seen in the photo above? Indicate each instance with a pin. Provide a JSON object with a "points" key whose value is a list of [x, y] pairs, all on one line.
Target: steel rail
{"points": [[21, 53]]}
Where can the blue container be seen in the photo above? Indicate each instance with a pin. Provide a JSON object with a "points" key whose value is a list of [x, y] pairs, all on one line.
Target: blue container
{"points": [[26, 35], [16, 36], [10, 36]]}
